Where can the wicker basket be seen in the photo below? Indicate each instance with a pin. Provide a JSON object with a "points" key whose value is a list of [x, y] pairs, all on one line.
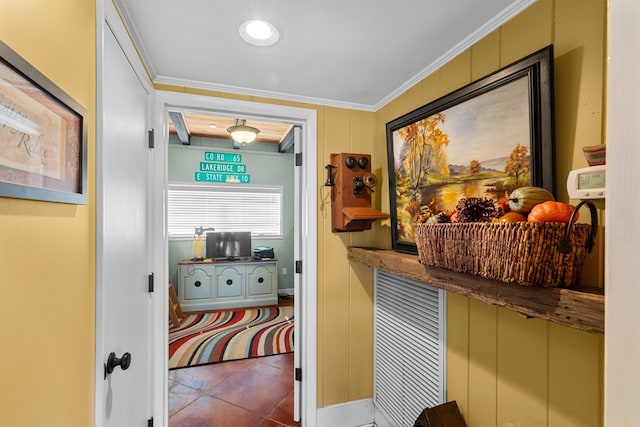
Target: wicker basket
{"points": [[526, 253]]}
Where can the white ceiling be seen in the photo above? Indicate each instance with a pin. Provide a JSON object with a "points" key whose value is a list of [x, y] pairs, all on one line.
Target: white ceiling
{"points": [[356, 54]]}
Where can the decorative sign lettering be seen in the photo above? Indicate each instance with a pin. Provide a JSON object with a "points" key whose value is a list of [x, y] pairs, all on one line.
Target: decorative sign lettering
{"points": [[212, 156], [222, 167], [239, 178]]}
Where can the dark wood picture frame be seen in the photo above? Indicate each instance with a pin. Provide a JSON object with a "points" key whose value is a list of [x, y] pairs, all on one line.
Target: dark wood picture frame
{"points": [[43, 136], [518, 97]]}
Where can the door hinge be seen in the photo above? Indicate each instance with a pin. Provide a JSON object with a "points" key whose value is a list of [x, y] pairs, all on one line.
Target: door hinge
{"points": [[150, 422], [298, 159], [298, 374], [152, 135], [299, 267], [151, 280]]}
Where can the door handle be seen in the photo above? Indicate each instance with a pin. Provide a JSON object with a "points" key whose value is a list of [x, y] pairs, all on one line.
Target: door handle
{"points": [[113, 361]]}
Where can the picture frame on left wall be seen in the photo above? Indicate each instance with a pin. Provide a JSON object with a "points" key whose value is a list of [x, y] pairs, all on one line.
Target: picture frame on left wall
{"points": [[43, 136]]}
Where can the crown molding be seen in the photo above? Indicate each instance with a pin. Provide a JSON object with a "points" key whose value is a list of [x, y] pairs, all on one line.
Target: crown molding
{"points": [[236, 90], [465, 44]]}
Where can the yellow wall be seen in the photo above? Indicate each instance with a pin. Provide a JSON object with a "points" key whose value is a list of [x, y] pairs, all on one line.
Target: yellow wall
{"points": [[501, 367], [47, 249]]}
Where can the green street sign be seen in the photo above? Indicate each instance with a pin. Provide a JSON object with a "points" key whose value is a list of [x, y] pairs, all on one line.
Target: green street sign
{"points": [[222, 167], [212, 156], [233, 178]]}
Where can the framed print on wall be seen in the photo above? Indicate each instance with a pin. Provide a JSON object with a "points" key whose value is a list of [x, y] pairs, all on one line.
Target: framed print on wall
{"points": [[483, 140], [43, 136]]}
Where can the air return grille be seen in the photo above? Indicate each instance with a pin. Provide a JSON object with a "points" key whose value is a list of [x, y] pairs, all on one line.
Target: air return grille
{"points": [[410, 344]]}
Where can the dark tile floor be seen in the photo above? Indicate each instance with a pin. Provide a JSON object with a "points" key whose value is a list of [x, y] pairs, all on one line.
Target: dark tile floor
{"points": [[242, 393]]}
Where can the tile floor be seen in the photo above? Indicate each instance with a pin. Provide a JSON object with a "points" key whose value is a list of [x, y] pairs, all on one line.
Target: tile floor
{"points": [[241, 393]]}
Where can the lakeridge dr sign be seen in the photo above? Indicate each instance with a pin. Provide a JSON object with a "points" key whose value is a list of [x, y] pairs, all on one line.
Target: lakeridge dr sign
{"points": [[222, 167]]}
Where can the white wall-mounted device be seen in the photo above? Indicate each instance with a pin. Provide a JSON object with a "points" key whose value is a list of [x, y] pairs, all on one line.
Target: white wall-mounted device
{"points": [[587, 183]]}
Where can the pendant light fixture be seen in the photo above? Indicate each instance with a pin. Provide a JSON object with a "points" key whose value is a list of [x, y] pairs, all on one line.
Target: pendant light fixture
{"points": [[242, 133]]}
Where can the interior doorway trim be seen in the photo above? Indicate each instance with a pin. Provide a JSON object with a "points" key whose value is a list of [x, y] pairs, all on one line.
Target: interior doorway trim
{"points": [[306, 119]]}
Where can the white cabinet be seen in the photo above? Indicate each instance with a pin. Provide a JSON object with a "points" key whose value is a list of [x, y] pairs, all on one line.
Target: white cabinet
{"points": [[228, 284]]}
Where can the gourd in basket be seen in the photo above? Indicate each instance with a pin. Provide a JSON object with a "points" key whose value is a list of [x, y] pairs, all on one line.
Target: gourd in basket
{"points": [[547, 254]]}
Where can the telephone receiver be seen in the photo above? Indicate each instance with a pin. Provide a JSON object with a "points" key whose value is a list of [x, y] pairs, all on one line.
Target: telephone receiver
{"points": [[330, 181]]}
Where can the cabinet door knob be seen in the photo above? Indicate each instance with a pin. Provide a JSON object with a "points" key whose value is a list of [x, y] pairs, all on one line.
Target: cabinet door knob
{"points": [[260, 280], [229, 282], [197, 284]]}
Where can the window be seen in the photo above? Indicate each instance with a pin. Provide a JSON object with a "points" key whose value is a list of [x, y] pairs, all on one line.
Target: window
{"points": [[255, 208]]}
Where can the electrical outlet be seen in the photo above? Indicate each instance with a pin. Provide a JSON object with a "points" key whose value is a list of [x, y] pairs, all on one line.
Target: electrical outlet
{"points": [[284, 270]]}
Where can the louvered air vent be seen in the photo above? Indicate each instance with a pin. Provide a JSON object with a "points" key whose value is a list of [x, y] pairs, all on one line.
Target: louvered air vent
{"points": [[410, 345]]}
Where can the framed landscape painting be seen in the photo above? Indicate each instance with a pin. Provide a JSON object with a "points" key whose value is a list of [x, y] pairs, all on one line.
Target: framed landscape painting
{"points": [[483, 140]]}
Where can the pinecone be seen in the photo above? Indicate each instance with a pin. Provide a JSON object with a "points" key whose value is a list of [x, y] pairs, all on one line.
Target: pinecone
{"points": [[475, 209]]}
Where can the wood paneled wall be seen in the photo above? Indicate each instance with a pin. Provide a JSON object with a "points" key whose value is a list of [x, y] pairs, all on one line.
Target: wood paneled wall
{"points": [[345, 292], [503, 368]]}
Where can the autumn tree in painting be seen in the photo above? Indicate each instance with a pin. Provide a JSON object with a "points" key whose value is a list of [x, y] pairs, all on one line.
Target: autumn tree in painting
{"points": [[474, 167], [424, 152], [518, 163], [423, 160]]}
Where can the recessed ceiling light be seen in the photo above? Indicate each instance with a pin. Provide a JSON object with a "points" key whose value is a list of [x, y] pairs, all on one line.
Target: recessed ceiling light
{"points": [[259, 33]]}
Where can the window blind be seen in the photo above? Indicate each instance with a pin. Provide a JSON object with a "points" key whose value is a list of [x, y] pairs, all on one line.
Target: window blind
{"points": [[255, 208]]}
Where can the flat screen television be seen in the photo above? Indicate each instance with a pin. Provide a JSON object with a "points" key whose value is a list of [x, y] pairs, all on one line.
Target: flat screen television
{"points": [[228, 244]]}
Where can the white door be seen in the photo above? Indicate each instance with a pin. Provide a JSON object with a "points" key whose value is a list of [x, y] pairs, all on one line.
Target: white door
{"points": [[124, 397], [297, 289]]}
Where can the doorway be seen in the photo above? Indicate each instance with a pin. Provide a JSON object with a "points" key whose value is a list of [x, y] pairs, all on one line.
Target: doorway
{"points": [[235, 354], [304, 121]]}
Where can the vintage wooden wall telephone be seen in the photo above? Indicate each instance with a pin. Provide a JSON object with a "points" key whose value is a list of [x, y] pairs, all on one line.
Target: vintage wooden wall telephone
{"points": [[352, 182]]}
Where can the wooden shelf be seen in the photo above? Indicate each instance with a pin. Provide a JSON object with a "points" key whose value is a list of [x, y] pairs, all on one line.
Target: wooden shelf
{"points": [[363, 212], [577, 308]]}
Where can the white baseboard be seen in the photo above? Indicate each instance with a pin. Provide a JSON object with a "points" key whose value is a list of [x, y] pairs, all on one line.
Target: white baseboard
{"points": [[381, 420], [286, 291], [357, 413]]}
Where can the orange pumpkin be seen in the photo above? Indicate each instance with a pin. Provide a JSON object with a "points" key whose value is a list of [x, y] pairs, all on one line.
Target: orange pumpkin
{"points": [[511, 217], [551, 211]]}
